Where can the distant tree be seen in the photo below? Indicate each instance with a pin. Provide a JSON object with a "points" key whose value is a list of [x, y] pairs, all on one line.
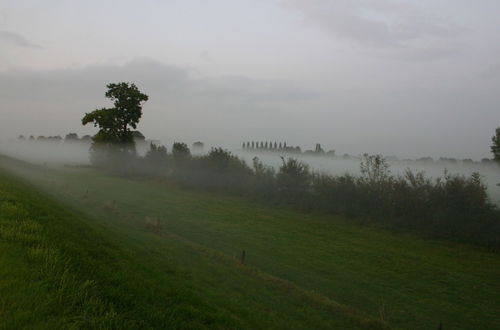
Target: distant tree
{"points": [[374, 169], [32, 138], [221, 160], [180, 150], [280, 146], [425, 160], [115, 123], [138, 136], [86, 138], [21, 138], [253, 145], [71, 137], [447, 160], [56, 138], [293, 179], [198, 145], [318, 149], [495, 147], [156, 154]]}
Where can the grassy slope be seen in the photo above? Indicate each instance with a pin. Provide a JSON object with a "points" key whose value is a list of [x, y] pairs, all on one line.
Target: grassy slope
{"points": [[411, 283], [62, 268]]}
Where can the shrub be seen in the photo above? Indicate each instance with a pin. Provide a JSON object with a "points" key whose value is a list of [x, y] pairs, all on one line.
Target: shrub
{"points": [[454, 206], [293, 181], [156, 155], [264, 180]]}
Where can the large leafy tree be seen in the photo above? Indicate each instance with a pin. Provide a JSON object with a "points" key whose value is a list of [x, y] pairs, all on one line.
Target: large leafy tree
{"points": [[495, 147], [115, 123]]}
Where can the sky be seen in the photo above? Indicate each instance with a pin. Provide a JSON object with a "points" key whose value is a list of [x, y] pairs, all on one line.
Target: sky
{"points": [[397, 77]]}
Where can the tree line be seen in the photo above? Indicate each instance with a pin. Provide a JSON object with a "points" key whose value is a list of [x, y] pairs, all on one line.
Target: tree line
{"points": [[454, 207], [70, 137]]}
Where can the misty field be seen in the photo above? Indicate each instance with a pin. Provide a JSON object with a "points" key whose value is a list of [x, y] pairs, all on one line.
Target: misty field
{"points": [[150, 254]]}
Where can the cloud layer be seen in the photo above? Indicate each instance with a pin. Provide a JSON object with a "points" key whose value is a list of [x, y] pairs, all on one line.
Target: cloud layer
{"points": [[15, 39], [226, 110], [381, 24], [412, 78]]}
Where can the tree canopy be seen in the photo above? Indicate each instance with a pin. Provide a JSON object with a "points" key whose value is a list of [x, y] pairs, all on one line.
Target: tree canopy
{"points": [[495, 147], [115, 123]]}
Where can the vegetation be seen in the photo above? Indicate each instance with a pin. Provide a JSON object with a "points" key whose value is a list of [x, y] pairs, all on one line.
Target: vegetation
{"points": [[166, 257], [452, 207], [115, 123], [495, 147], [82, 262]]}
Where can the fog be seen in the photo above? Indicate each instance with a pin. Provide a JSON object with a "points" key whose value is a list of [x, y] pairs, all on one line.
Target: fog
{"points": [[339, 165], [404, 78], [58, 154]]}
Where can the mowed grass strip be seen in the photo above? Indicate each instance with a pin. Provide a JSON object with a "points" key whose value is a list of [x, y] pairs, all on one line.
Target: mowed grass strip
{"points": [[409, 282], [63, 268]]}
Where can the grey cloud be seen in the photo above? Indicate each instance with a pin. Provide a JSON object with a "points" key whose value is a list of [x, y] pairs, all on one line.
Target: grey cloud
{"points": [[16, 40], [431, 51], [152, 76], [374, 23], [182, 103], [491, 73], [224, 110]]}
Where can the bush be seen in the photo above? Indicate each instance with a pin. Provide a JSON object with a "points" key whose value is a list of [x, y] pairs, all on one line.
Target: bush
{"points": [[453, 207], [219, 170], [293, 181], [264, 180], [156, 155]]}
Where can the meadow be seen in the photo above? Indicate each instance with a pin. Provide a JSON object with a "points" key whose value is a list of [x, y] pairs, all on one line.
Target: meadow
{"points": [[149, 253]]}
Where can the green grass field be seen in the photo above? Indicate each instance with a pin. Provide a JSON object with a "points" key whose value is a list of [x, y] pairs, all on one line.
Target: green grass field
{"points": [[81, 249]]}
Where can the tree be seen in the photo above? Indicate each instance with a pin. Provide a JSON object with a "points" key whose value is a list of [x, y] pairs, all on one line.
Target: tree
{"points": [[374, 169], [180, 150], [71, 137], [293, 180], [495, 147], [157, 154], [115, 123], [198, 145]]}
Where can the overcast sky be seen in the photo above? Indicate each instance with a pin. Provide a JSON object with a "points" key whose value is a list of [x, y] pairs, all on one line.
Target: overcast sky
{"points": [[398, 77]]}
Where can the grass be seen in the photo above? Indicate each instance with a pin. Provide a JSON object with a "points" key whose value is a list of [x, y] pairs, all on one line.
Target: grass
{"points": [[62, 267], [176, 253]]}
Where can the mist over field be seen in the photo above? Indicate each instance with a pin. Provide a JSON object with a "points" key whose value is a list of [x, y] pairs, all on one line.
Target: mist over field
{"points": [[383, 77], [77, 153], [269, 164]]}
